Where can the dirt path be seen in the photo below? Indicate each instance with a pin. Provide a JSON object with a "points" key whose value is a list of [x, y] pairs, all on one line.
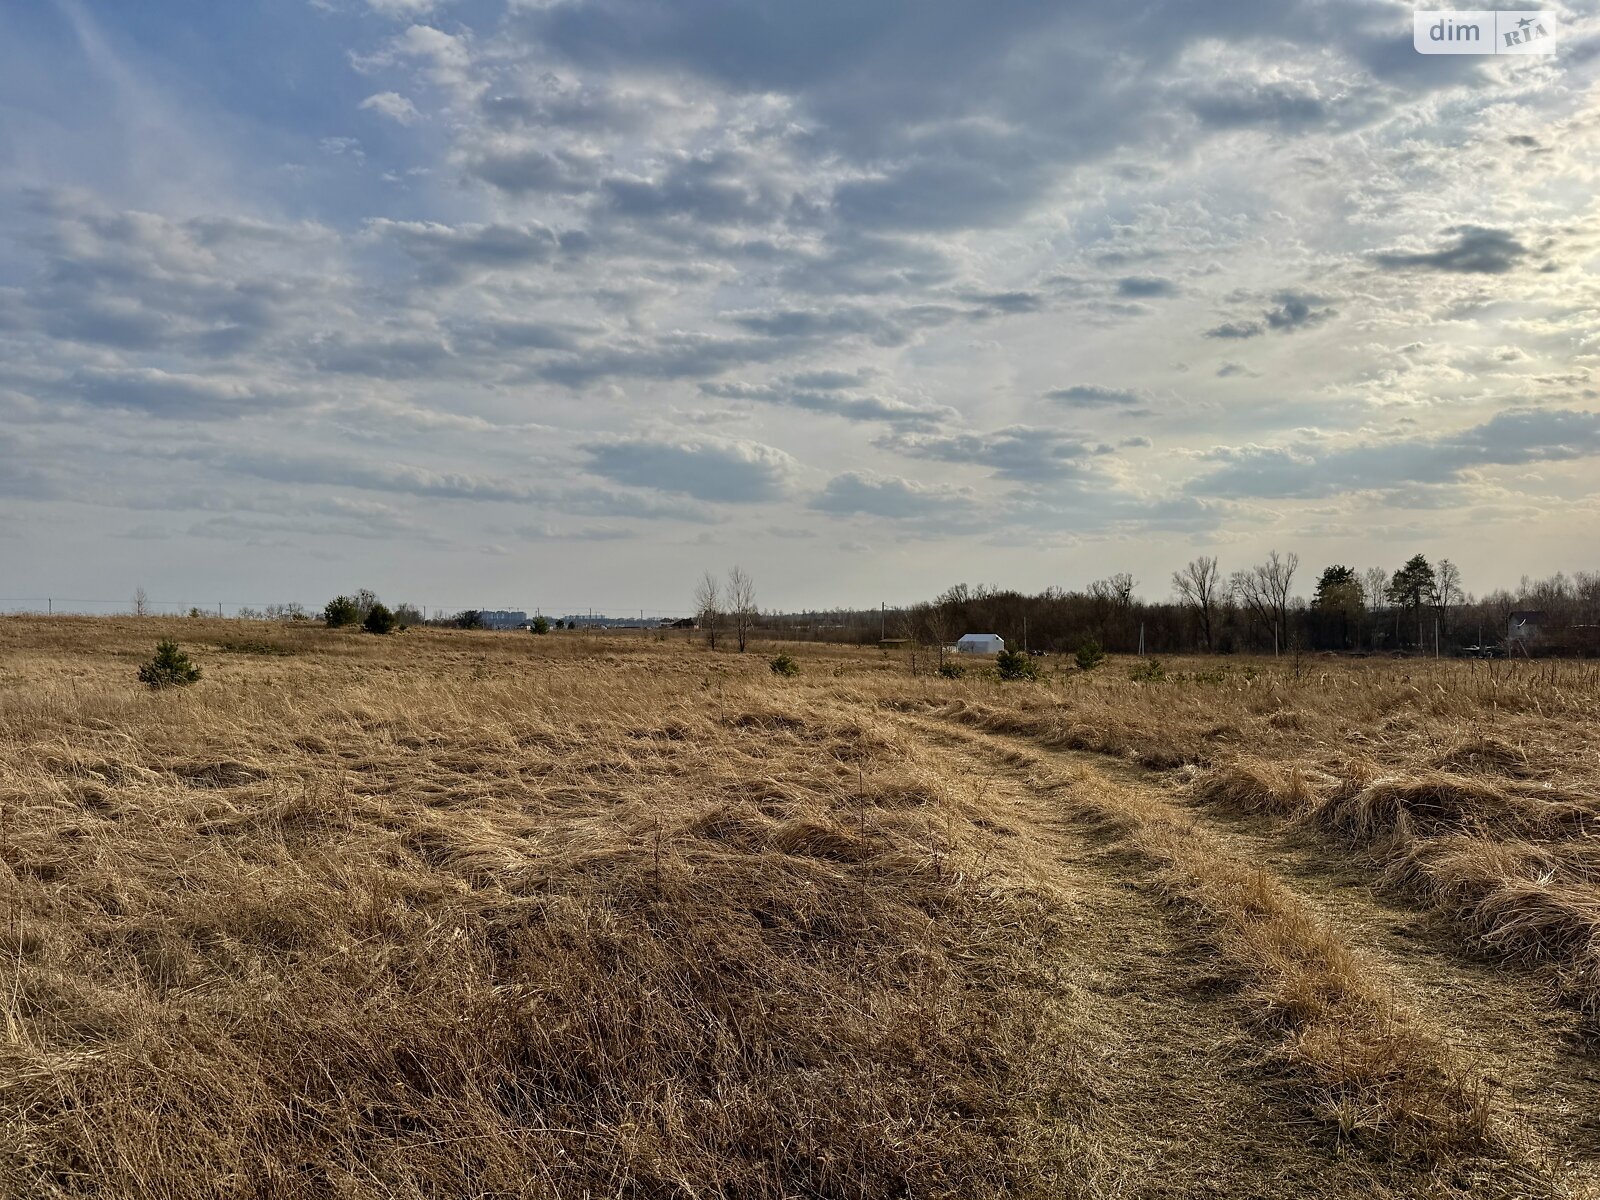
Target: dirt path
{"points": [[1547, 1073], [1190, 1104]]}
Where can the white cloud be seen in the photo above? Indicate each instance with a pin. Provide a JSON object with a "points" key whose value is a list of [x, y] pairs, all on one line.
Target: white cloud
{"points": [[392, 105]]}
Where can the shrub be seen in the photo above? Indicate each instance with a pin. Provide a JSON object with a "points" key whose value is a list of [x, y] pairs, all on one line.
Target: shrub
{"points": [[169, 668], [380, 619], [1015, 664], [341, 611], [784, 665], [1090, 655], [195, 614], [469, 618], [951, 670], [540, 626], [1148, 672]]}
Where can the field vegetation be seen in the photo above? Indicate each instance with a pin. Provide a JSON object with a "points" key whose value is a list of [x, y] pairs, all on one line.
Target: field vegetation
{"points": [[453, 913]]}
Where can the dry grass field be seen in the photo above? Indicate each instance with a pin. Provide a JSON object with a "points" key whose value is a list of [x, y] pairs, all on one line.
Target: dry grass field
{"points": [[452, 914]]}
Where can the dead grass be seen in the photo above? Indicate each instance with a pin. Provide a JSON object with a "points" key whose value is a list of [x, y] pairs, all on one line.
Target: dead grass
{"points": [[1475, 787], [438, 915], [454, 914]]}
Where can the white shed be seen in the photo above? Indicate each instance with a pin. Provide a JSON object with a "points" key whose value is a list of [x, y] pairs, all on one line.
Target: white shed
{"points": [[980, 643]]}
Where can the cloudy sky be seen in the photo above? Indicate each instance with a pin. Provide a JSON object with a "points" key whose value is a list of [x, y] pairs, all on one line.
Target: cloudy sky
{"points": [[559, 302]]}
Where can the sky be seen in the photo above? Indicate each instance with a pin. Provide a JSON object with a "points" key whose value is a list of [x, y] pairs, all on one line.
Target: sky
{"points": [[557, 304]]}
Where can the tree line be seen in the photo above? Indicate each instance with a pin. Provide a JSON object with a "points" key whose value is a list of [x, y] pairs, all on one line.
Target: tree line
{"points": [[1419, 606]]}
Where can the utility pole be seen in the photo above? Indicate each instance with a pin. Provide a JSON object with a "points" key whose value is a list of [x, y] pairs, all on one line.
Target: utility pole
{"points": [[883, 622], [1025, 632], [1141, 639]]}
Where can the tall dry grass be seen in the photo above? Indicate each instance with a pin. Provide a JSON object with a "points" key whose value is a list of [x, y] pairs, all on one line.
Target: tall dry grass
{"points": [[1473, 786], [455, 915]]}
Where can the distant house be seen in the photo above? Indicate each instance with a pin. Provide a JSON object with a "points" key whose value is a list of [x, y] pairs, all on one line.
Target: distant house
{"points": [[1524, 626], [980, 643]]}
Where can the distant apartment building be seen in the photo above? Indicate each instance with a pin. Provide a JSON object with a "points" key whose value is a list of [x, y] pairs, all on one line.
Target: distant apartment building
{"points": [[504, 618]]}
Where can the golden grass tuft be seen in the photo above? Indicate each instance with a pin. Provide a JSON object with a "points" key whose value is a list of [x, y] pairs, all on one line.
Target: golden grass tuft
{"points": [[1253, 785]]}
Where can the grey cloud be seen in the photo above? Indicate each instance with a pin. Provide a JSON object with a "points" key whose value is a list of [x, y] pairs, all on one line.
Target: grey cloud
{"points": [[888, 496], [974, 187], [334, 470], [1092, 396], [392, 356], [831, 400], [717, 470], [524, 169], [513, 335], [831, 380], [1295, 311], [1292, 311], [1511, 438], [1145, 287], [1474, 250], [1019, 452], [1237, 329], [175, 396], [812, 323], [1009, 302], [1241, 103], [718, 189], [212, 286], [674, 356], [349, 471], [954, 117], [853, 262], [450, 252]]}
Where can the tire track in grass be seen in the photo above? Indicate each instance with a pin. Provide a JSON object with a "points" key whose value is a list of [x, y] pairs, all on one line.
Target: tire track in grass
{"points": [[1534, 1053], [1367, 1059], [1177, 1092]]}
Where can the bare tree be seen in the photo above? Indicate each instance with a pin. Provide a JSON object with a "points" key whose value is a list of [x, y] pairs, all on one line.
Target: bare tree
{"points": [[1115, 589], [141, 603], [1279, 576], [941, 625], [1264, 592], [708, 607], [1375, 586], [1113, 602], [741, 604], [1247, 590], [1446, 590], [1198, 586], [910, 626]]}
